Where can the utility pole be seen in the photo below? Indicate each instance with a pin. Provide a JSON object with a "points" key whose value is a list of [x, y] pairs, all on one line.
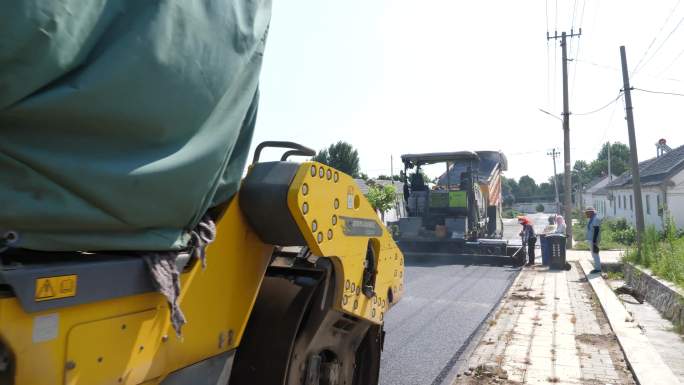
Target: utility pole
{"points": [[636, 179], [610, 170], [392, 168], [567, 197], [554, 154]]}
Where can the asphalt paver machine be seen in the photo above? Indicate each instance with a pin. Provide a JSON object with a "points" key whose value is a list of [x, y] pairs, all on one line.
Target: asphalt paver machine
{"points": [[457, 213]]}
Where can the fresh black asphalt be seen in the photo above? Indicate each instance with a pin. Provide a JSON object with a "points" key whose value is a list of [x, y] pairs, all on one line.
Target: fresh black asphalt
{"points": [[445, 302], [443, 306]]}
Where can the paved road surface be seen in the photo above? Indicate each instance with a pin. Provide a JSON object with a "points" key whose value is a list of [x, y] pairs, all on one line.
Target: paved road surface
{"points": [[444, 304]]}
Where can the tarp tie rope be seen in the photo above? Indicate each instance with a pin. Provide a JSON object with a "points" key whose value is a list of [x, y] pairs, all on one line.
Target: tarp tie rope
{"points": [[165, 273]]}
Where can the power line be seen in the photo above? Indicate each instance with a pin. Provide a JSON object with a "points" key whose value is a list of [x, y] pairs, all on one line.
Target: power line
{"points": [[610, 122], [658, 92], [555, 28], [611, 68], [548, 58], [546, 6], [555, 54], [555, 73], [572, 22], [574, 12], [672, 62], [662, 44], [655, 37], [601, 108], [579, 41]]}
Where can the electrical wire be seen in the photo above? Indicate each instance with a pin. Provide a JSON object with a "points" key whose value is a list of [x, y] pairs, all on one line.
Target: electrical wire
{"points": [[611, 68], [573, 11], [579, 41], [658, 92], [555, 73], [662, 43], [655, 37], [555, 57], [556, 21], [610, 122], [671, 63], [548, 57], [546, 7], [600, 108], [599, 65]]}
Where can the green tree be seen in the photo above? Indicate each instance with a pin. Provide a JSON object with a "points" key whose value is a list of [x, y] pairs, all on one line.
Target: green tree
{"points": [[527, 187], [546, 190], [342, 156], [509, 190], [619, 159], [581, 173], [381, 197]]}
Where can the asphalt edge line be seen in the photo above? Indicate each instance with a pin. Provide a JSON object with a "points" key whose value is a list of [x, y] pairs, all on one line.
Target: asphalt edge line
{"points": [[646, 365], [474, 339]]}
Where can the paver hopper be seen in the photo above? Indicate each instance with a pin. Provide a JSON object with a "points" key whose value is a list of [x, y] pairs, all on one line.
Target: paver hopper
{"points": [[458, 213]]}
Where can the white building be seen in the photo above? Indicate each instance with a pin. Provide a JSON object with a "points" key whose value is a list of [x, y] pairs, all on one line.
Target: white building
{"points": [[662, 190], [597, 195]]}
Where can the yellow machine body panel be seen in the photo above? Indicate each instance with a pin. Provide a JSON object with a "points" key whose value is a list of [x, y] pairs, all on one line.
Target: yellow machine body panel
{"points": [[337, 222], [129, 340]]}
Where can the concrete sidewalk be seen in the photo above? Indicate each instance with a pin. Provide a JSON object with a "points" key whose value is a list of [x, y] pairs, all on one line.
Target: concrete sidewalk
{"points": [[549, 329]]}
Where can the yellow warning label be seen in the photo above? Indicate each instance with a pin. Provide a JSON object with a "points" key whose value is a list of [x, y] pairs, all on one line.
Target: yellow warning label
{"points": [[55, 287]]}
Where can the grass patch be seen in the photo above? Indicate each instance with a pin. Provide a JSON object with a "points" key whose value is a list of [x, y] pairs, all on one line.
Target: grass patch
{"points": [[616, 234], [662, 253], [615, 275]]}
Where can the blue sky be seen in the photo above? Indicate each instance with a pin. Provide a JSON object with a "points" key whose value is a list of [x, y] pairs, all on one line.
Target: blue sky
{"points": [[400, 76]]}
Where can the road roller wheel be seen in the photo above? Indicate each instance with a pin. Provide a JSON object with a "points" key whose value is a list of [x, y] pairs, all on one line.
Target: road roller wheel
{"points": [[295, 337]]}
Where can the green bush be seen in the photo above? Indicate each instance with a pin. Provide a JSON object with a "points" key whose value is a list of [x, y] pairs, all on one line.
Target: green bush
{"points": [[615, 234], [540, 208], [625, 237]]}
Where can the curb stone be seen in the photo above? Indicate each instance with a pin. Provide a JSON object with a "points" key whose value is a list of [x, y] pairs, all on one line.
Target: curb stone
{"points": [[646, 364]]}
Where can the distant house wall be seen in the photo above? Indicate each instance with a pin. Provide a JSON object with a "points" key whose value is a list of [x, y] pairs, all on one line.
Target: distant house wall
{"points": [[601, 203], [675, 199], [596, 195], [651, 197], [586, 200]]}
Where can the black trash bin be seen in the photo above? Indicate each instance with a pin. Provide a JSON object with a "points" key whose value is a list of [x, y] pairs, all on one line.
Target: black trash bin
{"points": [[556, 245]]}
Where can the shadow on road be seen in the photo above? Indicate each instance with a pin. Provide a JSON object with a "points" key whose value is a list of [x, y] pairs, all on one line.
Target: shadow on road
{"points": [[464, 260]]}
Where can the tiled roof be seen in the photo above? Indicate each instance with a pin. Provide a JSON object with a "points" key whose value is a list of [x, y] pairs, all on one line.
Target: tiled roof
{"points": [[594, 182], [602, 191], [655, 170], [597, 184]]}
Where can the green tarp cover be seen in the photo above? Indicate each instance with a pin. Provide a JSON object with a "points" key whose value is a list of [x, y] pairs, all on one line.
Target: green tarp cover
{"points": [[122, 122]]}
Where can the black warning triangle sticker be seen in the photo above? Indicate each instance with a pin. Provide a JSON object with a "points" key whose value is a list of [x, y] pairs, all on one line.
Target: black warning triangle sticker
{"points": [[46, 290]]}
